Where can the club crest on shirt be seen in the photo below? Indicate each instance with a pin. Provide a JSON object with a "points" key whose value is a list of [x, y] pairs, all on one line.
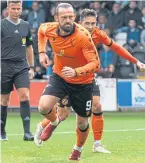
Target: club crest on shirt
{"points": [[88, 112], [64, 101], [61, 53]]}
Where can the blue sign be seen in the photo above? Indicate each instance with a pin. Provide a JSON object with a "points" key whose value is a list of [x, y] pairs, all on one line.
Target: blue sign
{"points": [[131, 93]]}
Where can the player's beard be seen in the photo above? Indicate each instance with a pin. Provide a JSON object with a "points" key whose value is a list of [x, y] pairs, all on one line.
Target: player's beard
{"points": [[66, 28]]}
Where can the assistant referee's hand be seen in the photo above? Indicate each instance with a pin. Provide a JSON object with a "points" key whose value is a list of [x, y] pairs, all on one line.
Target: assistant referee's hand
{"points": [[44, 60]]}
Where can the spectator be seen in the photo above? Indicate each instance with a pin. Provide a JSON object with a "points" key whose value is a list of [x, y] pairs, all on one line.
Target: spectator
{"points": [[50, 13], [123, 4], [38, 73], [102, 21], [141, 4], [36, 17], [143, 17], [143, 37], [107, 5], [25, 14], [133, 34], [133, 13], [79, 4], [27, 4], [3, 5], [108, 61], [4, 13], [97, 7], [116, 17]]}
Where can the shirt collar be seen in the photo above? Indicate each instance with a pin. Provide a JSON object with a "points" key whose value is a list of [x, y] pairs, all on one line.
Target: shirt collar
{"points": [[18, 22]]}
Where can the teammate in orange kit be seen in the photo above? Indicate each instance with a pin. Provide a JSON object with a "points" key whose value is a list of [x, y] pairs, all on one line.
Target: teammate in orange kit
{"points": [[75, 61], [88, 20]]}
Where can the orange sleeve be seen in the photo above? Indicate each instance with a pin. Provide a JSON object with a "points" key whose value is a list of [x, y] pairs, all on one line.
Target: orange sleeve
{"points": [[122, 52], [104, 38], [91, 55], [42, 39]]}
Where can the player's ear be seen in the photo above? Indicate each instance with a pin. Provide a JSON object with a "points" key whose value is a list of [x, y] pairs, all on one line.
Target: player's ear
{"points": [[56, 18], [79, 22]]}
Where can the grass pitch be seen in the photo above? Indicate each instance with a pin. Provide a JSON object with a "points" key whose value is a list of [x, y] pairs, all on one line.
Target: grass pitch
{"points": [[124, 136]]}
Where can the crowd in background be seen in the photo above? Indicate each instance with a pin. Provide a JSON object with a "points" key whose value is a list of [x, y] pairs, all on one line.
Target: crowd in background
{"points": [[123, 21]]}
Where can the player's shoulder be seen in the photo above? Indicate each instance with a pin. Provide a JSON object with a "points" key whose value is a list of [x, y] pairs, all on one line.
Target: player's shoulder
{"points": [[3, 21], [97, 30], [24, 25], [49, 25], [24, 22], [82, 31]]}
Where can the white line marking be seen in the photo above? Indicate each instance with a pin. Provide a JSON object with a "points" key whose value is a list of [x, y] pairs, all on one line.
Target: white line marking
{"points": [[72, 132]]}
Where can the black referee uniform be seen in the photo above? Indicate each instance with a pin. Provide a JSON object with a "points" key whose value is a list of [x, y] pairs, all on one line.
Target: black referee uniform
{"points": [[14, 67]]}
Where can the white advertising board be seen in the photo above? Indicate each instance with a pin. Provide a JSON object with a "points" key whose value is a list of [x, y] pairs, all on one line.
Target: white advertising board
{"points": [[108, 94]]}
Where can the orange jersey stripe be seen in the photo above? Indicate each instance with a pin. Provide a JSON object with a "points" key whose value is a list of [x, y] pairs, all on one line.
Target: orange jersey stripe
{"points": [[76, 51]]}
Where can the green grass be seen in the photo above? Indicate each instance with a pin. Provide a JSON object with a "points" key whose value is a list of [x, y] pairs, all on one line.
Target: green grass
{"points": [[126, 146]]}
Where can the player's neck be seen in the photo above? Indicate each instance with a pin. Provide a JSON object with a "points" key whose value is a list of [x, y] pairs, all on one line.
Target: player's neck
{"points": [[15, 21], [63, 33]]}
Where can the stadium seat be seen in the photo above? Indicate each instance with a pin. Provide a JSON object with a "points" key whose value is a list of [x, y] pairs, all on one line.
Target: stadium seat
{"points": [[139, 52], [126, 69]]}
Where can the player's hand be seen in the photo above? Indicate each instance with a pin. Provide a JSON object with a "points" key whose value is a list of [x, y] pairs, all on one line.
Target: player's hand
{"points": [[68, 72], [31, 73], [44, 60], [141, 66]]}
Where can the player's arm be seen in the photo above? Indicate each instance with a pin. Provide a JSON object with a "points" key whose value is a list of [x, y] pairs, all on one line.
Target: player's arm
{"points": [[29, 50], [121, 51], [30, 60], [42, 43], [91, 56], [30, 56], [42, 39]]}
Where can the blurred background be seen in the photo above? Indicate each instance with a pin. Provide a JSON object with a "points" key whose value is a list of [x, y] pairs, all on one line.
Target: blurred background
{"points": [[123, 21]]}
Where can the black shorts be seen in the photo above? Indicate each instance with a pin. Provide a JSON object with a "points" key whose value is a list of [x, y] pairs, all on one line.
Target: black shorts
{"points": [[13, 74], [65, 101], [96, 90], [80, 95]]}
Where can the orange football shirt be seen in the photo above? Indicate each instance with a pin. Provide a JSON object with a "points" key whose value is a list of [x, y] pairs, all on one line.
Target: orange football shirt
{"points": [[99, 36], [76, 51]]}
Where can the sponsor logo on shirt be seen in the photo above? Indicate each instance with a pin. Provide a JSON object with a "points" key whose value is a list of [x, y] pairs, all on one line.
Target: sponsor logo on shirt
{"points": [[62, 54]]}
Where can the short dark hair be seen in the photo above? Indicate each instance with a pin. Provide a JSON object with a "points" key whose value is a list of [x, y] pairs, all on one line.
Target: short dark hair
{"points": [[13, 1], [87, 12], [62, 5]]}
